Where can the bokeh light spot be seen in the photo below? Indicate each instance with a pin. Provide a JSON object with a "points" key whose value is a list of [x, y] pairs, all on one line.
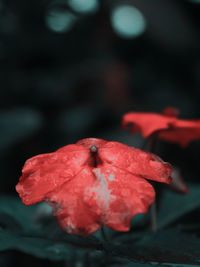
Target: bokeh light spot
{"points": [[60, 20], [84, 6], [127, 21]]}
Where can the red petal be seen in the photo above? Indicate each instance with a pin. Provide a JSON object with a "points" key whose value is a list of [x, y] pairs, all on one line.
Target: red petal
{"points": [[166, 126], [43, 173], [121, 195], [182, 133], [73, 201], [104, 196], [136, 162], [90, 188], [146, 123]]}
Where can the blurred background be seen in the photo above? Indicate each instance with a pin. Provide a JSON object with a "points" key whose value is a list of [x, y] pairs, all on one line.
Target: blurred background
{"points": [[71, 68]]}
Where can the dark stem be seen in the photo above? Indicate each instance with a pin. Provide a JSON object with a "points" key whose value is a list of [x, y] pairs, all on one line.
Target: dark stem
{"points": [[153, 217], [94, 156], [153, 142], [105, 238], [145, 143], [149, 143], [152, 148]]}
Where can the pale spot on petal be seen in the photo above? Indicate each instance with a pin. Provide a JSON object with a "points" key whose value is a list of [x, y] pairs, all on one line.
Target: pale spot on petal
{"points": [[111, 177], [100, 191], [70, 228]]}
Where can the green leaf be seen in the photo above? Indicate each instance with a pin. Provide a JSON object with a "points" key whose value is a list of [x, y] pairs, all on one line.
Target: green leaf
{"points": [[174, 205], [43, 239], [164, 247], [13, 207], [35, 246], [43, 247], [133, 264]]}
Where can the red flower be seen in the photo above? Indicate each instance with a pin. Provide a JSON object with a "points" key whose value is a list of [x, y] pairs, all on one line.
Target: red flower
{"points": [[167, 126], [93, 183]]}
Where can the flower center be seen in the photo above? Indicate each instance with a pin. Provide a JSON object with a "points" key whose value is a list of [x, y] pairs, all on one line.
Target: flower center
{"points": [[94, 160], [93, 149]]}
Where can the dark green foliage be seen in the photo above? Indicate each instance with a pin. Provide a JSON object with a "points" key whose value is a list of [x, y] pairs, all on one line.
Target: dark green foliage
{"points": [[17, 124], [57, 88], [22, 228], [161, 247], [29, 230], [21, 215], [174, 205]]}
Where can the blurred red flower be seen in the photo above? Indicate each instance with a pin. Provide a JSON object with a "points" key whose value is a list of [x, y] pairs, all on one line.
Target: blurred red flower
{"points": [[167, 126], [93, 183]]}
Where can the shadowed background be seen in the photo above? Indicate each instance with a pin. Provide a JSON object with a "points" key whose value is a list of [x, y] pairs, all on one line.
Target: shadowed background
{"points": [[71, 68]]}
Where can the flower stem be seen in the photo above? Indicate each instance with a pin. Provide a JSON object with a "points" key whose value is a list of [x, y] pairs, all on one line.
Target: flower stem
{"points": [[105, 238], [153, 217], [152, 148], [153, 142]]}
